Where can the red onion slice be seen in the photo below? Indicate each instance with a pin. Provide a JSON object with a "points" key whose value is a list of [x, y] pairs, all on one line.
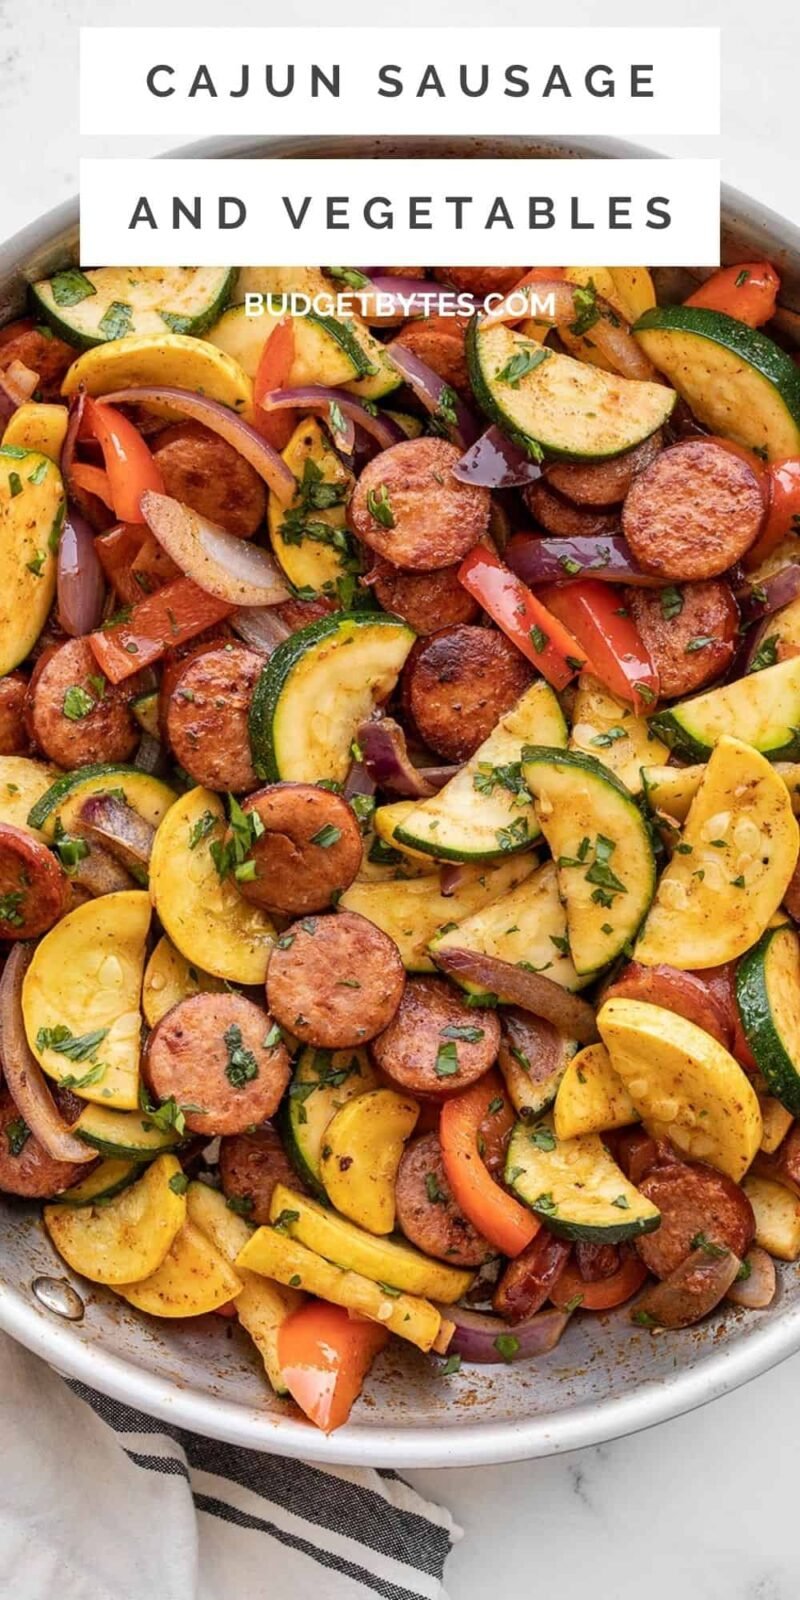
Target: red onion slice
{"points": [[18, 383], [761, 599], [81, 585], [383, 746], [220, 419], [530, 990], [312, 397], [26, 1081], [495, 463], [488, 1340], [608, 333], [455, 420], [117, 828], [757, 1290], [544, 560], [260, 627], [231, 569]]}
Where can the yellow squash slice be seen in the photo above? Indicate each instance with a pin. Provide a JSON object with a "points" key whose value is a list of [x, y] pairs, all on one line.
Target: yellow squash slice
{"points": [[605, 727], [176, 360], [684, 1084], [80, 998], [168, 978], [193, 1278], [413, 910], [125, 1239], [361, 1154], [592, 1097], [31, 513]]}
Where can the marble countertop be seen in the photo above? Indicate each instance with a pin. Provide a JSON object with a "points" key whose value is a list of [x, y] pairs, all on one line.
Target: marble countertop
{"points": [[702, 1507]]}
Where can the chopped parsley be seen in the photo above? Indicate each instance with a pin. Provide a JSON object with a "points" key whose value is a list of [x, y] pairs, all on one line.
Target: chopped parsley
{"points": [[17, 1135], [116, 321], [671, 602], [446, 1060], [466, 1031], [525, 360], [506, 1345], [77, 703], [241, 1066], [379, 506], [326, 836], [179, 1183], [76, 1047], [584, 299], [609, 737], [68, 288], [766, 654]]}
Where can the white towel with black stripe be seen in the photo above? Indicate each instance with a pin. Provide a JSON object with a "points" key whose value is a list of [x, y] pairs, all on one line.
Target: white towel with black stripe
{"points": [[99, 1502]]}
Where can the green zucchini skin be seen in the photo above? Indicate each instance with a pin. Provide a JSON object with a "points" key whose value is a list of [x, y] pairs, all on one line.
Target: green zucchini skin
{"points": [[63, 786], [579, 1199], [277, 672], [766, 975], [692, 727], [72, 324]]}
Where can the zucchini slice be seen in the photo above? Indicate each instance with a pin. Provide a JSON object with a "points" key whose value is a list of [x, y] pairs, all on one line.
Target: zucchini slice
{"points": [[309, 537], [80, 998], [383, 1260], [315, 690], [527, 927], [22, 784], [413, 910], [592, 1097], [90, 308], [59, 805], [486, 809], [768, 997], [602, 848], [777, 1214], [764, 708], [605, 727], [558, 405], [110, 1178], [683, 1083], [737, 854], [323, 1081], [31, 514], [123, 1135], [204, 916], [575, 1186], [734, 378]]}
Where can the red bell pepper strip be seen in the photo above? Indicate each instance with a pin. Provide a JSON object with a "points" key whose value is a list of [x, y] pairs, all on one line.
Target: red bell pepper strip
{"points": [[603, 1293], [129, 463], [93, 480], [274, 368], [747, 292], [156, 624], [595, 614], [534, 629], [483, 1112], [116, 551], [324, 1356], [783, 510]]}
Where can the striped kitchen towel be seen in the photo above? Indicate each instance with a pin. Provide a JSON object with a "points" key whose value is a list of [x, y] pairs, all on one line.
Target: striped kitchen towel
{"points": [[99, 1502]]}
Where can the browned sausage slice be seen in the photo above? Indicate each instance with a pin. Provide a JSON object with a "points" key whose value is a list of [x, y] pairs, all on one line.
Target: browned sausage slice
{"points": [[26, 1169], [791, 898], [221, 1056], [76, 717], [427, 1213], [409, 507], [206, 473], [38, 349], [427, 601], [560, 516], [603, 483], [207, 717], [528, 1279], [458, 684], [13, 730], [684, 993], [690, 632], [334, 981], [436, 1044], [693, 512], [480, 280], [309, 850], [32, 885], [695, 1202], [250, 1165], [439, 342]]}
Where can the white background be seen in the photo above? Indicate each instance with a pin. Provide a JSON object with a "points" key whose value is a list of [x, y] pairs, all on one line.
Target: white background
{"points": [[703, 1508]]}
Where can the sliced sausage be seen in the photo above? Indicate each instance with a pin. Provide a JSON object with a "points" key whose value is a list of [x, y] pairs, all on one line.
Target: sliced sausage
{"points": [[634, 1151], [458, 683], [427, 601], [206, 473], [309, 851], [603, 483], [218, 1054], [409, 507], [436, 1044], [480, 280], [527, 1280], [36, 347], [207, 717], [335, 981], [693, 512], [791, 899], [26, 1169], [74, 715], [684, 993], [298, 613], [559, 516], [33, 887], [14, 739], [694, 1201], [250, 1165], [427, 1213], [690, 632], [439, 342]]}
